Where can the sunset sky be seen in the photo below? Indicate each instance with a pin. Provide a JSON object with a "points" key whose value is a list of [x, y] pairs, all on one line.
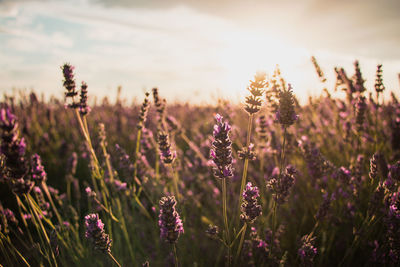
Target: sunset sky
{"points": [[193, 50]]}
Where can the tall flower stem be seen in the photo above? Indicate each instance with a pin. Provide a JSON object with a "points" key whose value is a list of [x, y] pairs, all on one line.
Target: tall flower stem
{"points": [[137, 148], [113, 259], [281, 166], [175, 255], [175, 179], [246, 162], [224, 211], [241, 241]]}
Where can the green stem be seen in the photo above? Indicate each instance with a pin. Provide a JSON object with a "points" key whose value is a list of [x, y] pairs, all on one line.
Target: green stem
{"points": [[273, 226], [241, 242], [227, 235], [175, 255], [175, 181], [114, 260], [137, 148], [246, 162]]}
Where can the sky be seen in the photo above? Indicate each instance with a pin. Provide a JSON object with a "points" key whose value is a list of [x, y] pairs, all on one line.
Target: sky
{"points": [[194, 51]]}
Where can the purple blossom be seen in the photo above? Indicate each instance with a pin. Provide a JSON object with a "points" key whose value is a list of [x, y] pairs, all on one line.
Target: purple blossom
{"points": [[37, 169], [169, 221], [307, 251], [250, 208], [221, 152], [167, 155], [96, 234]]}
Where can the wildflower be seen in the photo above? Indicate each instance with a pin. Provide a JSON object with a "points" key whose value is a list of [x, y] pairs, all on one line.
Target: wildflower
{"points": [[212, 231], [38, 173], [143, 111], [360, 113], [324, 208], [84, 109], [307, 251], [90, 193], [318, 69], [262, 130], [281, 185], [69, 84], [373, 167], [394, 171], [72, 162], [13, 148], [126, 167], [250, 208], [165, 148], [379, 87], [256, 89], [173, 124], [169, 221], [221, 152], [247, 153], [96, 234], [285, 113], [358, 80], [160, 106]]}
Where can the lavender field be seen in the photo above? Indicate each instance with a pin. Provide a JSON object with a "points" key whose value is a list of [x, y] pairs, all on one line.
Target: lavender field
{"points": [[268, 182]]}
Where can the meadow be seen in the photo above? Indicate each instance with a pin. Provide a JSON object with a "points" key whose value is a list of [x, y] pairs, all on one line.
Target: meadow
{"points": [[266, 183]]}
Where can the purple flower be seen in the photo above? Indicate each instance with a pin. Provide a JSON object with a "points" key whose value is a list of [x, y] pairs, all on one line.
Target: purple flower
{"points": [[307, 251], [250, 208], [280, 185], [84, 109], [221, 152], [256, 89], [13, 149], [69, 81], [143, 111], [165, 148], [394, 171], [285, 114], [247, 152], [37, 169], [170, 223], [95, 233]]}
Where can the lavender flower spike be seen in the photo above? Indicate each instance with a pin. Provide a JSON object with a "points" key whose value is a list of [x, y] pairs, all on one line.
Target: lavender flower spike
{"points": [[169, 220], [95, 233], [250, 208], [38, 173], [307, 251], [221, 152], [84, 109], [167, 155]]}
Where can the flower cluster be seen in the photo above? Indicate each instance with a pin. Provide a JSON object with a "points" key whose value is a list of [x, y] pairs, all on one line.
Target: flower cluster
{"points": [[318, 69], [379, 87], [37, 169], [170, 223], [280, 185], [262, 130], [247, 153], [13, 148], [256, 89], [307, 251], [164, 145], [96, 234], [360, 113], [358, 81], [221, 152], [84, 109], [143, 111], [212, 231], [285, 114], [250, 208]]}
